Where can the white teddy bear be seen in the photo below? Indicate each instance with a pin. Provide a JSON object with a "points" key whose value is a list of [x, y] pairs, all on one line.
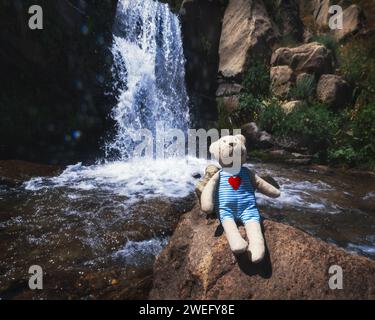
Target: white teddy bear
{"points": [[230, 192]]}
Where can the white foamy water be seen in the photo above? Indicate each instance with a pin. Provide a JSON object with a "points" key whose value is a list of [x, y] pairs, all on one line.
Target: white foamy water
{"points": [[141, 252], [149, 69], [135, 179]]}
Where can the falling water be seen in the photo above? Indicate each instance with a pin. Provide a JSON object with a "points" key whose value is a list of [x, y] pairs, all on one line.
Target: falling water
{"points": [[149, 73]]}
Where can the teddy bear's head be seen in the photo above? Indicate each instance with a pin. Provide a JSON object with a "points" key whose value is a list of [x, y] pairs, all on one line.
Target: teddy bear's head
{"points": [[230, 151]]}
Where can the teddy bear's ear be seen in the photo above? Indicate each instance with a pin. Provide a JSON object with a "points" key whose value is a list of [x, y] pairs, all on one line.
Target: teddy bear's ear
{"points": [[241, 138], [215, 149]]}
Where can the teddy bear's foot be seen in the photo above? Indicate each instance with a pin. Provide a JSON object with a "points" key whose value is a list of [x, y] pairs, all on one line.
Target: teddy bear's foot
{"points": [[237, 244], [256, 248]]}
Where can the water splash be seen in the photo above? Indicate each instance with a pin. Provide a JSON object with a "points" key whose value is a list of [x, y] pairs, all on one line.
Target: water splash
{"points": [[149, 73]]}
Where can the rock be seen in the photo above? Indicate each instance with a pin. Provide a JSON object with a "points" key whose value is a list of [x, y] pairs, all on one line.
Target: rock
{"points": [[334, 91], [321, 12], [230, 103], [353, 22], [201, 22], [56, 84], [228, 89], [291, 24], [198, 264], [256, 137], [247, 32], [14, 172], [312, 58], [291, 105], [265, 140], [250, 131], [307, 36], [282, 80]]}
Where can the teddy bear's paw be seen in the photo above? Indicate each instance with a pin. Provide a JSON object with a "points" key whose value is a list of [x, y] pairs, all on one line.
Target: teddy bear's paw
{"points": [[238, 245], [256, 252]]}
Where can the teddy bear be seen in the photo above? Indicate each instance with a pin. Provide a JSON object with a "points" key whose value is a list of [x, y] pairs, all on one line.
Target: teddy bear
{"points": [[230, 192]]}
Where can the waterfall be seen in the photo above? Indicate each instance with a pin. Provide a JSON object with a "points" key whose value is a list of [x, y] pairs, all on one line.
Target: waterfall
{"points": [[148, 71]]}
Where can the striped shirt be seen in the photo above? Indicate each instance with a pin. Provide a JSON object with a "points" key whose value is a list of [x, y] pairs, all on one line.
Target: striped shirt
{"points": [[235, 198]]}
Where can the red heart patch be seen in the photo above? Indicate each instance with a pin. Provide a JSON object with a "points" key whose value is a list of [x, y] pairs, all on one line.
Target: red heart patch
{"points": [[235, 182]]}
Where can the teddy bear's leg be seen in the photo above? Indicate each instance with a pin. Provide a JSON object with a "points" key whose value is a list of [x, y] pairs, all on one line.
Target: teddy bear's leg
{"points": [[256, 241], [236, 242]]}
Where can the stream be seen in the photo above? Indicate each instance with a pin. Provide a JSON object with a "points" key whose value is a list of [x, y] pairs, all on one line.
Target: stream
{"points": [[96, 230]]}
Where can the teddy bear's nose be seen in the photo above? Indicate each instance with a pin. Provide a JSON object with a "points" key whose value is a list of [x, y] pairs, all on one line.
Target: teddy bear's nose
{"points": [[232, 144]]}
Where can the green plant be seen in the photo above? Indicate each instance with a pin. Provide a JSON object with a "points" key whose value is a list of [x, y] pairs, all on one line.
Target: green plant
{"points": [[303, 89], [248, 109], [257, 79], [272, 117], [224, 117], [328, 41], [357, 62]]}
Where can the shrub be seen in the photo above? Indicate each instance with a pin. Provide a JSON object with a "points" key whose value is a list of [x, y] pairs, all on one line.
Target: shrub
{"points": [[357, 62], [328, 41], [272, 117], [248, 109], [315, 123], [257, 80], [224, 119], [303, 89]]}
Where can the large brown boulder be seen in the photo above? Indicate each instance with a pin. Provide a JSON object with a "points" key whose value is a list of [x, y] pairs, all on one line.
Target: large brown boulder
{"points": [[313, 58], [198, 264], [282, 80], [247, 32], [353, 22], [334, 91]]}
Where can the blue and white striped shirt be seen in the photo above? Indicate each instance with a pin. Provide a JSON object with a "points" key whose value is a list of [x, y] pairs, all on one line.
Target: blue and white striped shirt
{"points": [[235, 198]]}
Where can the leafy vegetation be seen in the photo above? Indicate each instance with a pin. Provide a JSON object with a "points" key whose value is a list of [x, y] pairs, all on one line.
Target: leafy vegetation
{"points": [[328, 41], [357, 62], [304, 89]]}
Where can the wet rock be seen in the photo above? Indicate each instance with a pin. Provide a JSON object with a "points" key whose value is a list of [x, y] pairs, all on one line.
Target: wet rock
{"points": [[247, 32], [14, 172], [312, 58], [353, 22], [334, 91], [291, 105], [282, 79], [198, 264], [256, 137]]}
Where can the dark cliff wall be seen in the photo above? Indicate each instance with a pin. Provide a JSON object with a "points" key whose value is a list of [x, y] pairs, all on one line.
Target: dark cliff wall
{"points": [[53, 106], [201, 29]]}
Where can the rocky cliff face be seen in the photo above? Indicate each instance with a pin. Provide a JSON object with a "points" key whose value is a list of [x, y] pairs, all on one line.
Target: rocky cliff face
{"points": [[198, 264], [53, 107], [201, 28]]}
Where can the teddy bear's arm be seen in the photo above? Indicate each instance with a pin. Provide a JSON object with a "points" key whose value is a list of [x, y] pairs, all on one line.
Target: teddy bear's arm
{"points": [[263, 186], [208, 194]]}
